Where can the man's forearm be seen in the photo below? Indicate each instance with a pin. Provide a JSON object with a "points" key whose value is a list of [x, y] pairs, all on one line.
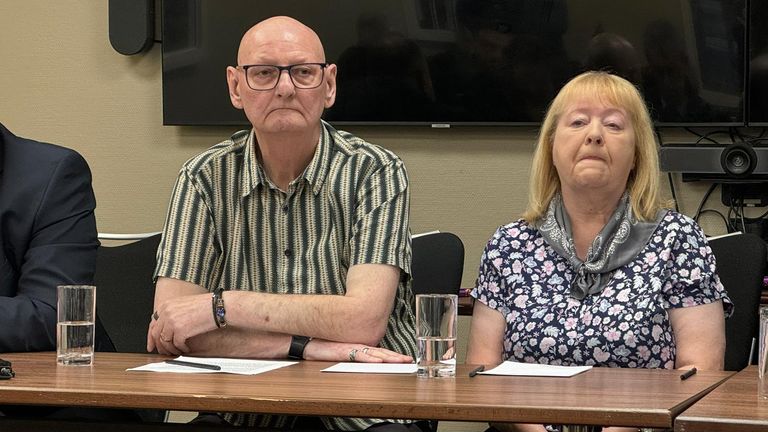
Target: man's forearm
{"points": [[331, 317], [27, 324], [359, 316], [240, 343]]}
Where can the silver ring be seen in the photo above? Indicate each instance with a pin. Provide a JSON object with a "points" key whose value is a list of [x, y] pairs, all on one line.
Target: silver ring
{"points": [[365, 350], [155, 316], [352, 354]]}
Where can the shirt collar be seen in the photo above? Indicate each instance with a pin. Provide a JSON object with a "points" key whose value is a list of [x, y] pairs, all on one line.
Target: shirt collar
{"points": [[318, 168], [315, 173], [252, 173]]}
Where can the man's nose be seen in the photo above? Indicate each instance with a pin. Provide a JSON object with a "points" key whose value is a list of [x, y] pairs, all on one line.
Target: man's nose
{"points": [[285, 84]]}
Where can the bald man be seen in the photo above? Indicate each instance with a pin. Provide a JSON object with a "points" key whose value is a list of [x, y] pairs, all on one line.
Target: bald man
{"points": [[289, 240]]}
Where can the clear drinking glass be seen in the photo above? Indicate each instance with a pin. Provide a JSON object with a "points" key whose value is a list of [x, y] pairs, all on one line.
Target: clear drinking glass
{"points": [[75, 327], [436, 318]]}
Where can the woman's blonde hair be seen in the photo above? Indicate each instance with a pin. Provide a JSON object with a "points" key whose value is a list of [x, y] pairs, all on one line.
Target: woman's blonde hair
{"points": [[643, 181]]}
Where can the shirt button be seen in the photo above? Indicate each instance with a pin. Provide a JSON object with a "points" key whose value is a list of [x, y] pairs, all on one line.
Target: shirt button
{"points": [[285, 208], [288, 252]]}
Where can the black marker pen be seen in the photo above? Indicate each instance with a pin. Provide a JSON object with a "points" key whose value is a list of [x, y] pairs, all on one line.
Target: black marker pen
{"points": [[687, 374], [476, 371], [194, 365]]}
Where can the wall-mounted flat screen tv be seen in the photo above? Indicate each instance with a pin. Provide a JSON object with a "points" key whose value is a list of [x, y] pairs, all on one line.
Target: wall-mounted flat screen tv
{"points": [[757, 95], [471, 62]]}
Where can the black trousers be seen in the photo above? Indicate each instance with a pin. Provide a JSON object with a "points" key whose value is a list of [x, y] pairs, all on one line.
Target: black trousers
{"points": [[70, 413]]}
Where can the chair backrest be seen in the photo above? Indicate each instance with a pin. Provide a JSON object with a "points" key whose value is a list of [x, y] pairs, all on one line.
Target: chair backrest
{"points": [[438, 263], [741, 265], [125, 292]]}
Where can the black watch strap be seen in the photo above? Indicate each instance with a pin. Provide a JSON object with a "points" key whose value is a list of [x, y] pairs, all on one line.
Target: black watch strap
{"points": [[298, 343]]}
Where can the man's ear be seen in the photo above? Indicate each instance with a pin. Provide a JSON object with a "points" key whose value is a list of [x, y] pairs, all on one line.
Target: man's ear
{"points": [[330, 80], [233, 82]]}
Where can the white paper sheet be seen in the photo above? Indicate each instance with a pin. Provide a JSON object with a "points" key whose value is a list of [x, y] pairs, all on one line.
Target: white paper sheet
{"points": [[228, 365], [382, 368], [533, 369]]}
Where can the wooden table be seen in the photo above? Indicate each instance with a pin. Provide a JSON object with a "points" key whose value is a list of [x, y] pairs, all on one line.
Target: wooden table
{"points": [[601, 396], [732, 407]]}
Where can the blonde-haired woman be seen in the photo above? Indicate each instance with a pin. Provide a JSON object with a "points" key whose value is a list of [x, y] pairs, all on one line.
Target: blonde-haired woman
{"points": [[598, 272]]}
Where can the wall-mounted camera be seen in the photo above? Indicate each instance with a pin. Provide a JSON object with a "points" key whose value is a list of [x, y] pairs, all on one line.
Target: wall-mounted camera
{"points": [[734, 163], [738, 160], [741, 168]]}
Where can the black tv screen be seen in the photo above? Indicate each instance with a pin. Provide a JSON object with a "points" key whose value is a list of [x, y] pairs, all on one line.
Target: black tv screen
{"points": [[454, 62], [758, 64]]}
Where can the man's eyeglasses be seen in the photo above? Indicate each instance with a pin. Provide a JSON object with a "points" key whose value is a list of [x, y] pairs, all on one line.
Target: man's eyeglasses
{"points": [[265, 77]]}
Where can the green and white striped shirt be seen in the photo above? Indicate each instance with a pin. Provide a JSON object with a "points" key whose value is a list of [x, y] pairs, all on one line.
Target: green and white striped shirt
{"points": [[229, 226]]}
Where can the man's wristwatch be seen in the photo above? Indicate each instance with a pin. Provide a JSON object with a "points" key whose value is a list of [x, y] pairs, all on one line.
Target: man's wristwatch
{"points": [[298, 343]]}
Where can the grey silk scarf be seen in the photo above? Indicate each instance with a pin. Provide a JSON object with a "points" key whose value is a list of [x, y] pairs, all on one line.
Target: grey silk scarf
{"points": [[620, 241]]}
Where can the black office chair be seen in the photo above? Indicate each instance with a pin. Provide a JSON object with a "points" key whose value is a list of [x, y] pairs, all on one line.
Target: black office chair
{"points": [[741, 265], [125, 292], [438, 263]]}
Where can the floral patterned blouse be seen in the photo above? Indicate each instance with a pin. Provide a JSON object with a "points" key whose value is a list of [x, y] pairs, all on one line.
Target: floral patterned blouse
{"points": [[625, 325]]}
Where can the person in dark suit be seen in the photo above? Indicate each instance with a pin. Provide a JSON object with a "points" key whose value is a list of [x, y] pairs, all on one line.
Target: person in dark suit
{"points": [[48, 237]]}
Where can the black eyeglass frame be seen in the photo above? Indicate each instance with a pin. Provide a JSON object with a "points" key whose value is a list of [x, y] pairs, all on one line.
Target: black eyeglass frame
{"points": [[280, 70]]}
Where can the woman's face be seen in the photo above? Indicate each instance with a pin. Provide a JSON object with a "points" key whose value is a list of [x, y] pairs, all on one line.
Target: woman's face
{"points": [[593, 146]]}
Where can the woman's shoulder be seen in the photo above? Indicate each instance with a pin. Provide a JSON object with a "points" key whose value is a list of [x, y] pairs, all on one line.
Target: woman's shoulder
{"points": [[512, 235], [519, 229], [678, 232], [678, 222], [671, 216]]}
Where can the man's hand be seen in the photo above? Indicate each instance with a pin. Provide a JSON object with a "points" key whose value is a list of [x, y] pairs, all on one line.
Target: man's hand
{"points": [[178, 319], [319, 349]]}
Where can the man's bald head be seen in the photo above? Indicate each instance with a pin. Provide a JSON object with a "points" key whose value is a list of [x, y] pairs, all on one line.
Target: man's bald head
{"points": [[279, 29], [286, 43]]}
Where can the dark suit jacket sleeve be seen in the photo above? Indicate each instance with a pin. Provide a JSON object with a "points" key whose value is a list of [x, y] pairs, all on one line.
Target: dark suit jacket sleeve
{"points": [[61, 250]]}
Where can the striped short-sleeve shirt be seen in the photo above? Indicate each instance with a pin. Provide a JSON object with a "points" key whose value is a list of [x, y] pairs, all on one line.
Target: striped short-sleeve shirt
{"points": [[229, 226]]}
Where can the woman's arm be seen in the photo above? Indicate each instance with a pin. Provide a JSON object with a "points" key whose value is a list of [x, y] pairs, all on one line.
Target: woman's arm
{"points": [[486, 337], [699, 336], [486, 345]]}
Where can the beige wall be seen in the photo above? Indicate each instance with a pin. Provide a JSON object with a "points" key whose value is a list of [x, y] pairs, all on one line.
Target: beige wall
{"points": [[62, 82]]}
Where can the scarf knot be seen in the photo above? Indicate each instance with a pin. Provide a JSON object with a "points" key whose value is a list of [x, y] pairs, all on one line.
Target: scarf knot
{"points": [[619, 242]]}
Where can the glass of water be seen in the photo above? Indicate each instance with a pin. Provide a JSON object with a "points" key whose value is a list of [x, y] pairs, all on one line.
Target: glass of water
{"points": [[75, 327], [436, 317]]}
